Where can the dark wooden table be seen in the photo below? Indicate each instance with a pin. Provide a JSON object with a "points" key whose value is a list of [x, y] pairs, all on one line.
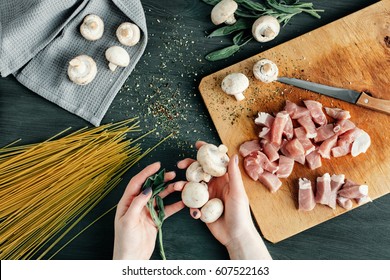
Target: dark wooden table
{"points": [[163, 92]]}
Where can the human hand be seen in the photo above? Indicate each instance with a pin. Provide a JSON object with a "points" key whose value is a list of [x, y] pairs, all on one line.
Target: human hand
{"points": [[235, 228], [135, 231]]}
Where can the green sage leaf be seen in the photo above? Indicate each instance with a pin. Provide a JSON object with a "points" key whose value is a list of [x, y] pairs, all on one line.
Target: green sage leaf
{"points": [[222, 53], [212, 2], [240, 24]]}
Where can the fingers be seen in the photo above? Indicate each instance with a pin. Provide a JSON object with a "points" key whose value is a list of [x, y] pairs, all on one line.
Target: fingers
{"points": [[169, 176], [183, 164], [235, 179], [138, 204], [173, 209], [134, 187], [173, 187], [195, 213]]}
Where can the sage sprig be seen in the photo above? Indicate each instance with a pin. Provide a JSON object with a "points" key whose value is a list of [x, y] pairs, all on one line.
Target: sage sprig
{"points": [[248, 11], [156, 182]]}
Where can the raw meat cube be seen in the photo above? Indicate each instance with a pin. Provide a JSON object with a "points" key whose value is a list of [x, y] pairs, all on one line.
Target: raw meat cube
{"points": [[306, 199], [271, 181]]}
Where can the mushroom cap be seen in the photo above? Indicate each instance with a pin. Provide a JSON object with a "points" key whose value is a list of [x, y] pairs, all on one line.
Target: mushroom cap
{"points": [[82, 69], [195, 173], [223, 11], [118, 56], [265, 28], [128, 34], [195, 195], [212, 210], [92, 27], [265, 70], [213, 159], [235, 83]]}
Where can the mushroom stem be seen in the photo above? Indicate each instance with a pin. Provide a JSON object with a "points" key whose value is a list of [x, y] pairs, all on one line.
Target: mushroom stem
{"points": [[230, 20], [92, 24], [269, 32], [239, 96], [125, 32], [266, 68], [112, 66], [76, 63]]}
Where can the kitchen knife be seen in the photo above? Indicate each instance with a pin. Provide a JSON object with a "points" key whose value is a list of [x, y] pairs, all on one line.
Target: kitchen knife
{"points": [[348, 95]]}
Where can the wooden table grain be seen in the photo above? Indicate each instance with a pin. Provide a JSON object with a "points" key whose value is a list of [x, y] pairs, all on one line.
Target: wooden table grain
{"points": [[163, 92]]}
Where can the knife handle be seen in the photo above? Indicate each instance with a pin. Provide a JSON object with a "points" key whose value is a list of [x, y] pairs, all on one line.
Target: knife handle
{"points": [[381, 105]]}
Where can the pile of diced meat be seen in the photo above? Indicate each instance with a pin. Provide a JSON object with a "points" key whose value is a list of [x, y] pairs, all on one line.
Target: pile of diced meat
{"points": [[329, 190], [300, 134]]}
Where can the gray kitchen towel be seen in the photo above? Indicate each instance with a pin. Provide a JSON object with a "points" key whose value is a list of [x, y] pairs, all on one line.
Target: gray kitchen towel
{"points": [[39, 38]]}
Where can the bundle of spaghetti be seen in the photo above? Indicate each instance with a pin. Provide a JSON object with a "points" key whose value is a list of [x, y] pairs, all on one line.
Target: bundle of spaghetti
{"points": [[45, 188]]}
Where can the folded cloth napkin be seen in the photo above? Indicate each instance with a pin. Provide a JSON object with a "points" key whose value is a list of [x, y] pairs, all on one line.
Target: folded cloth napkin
{"points": [[38, 38]]}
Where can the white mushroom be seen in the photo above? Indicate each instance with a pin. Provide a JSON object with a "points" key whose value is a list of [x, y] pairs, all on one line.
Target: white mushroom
{"points": [[265, 28], [82, 69], [212, 210], [265, 70], [195, 173], [223, 12], [92, 27], [195, 195], [117, 56], [128, 34], [213, 159], [235, 84]]}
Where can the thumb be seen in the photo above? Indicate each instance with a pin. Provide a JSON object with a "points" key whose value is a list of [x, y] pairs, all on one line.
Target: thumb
{"points": [[139, 202]]}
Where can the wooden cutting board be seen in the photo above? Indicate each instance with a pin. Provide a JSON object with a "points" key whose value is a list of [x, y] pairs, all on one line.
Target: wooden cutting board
{"points": [[353, 52]]}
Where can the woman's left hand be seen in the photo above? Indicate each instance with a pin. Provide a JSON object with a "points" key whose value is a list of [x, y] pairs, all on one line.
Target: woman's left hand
{"points": [[135, 231]]}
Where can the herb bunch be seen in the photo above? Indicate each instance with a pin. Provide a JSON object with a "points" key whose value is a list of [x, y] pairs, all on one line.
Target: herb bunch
{"points": [[247, 12], [156, 182]]}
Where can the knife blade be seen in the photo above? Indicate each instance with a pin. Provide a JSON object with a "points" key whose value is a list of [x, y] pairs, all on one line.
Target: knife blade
{"points": [[351, 96]]}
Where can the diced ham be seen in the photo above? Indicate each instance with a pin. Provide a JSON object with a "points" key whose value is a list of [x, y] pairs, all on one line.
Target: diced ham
{"points": [[363, 200], [349, 137], [336, 182], [323, 191], [316, 112], [354, 191], [324, 132], [339, 151], [337, 113], [253, 167], [294, 148], [326, 146], [283, 150], [286, 166], [278, 127], [314, 160], [308, 125], [300, 133], [264, 119], [342, 126], [306, 199], [271, 181], [361, 144], [349, 183], [344, 202], [270, 150], [265, 134], [296, 111], [249, 147], [266, 164], [288, 130]]}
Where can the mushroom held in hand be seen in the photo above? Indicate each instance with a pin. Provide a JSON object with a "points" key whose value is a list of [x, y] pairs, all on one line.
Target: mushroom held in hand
{"points": [[213, 159], [265, 70], [195, 195], [195, 173], [235, 84], [92, 28], [265, 28], [223, 12], [128, 34], [82, 69], [117, 56], [212, 210]]}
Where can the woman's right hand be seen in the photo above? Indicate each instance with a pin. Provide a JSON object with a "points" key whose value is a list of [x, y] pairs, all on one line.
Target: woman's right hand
{"points": [[235, 228]]}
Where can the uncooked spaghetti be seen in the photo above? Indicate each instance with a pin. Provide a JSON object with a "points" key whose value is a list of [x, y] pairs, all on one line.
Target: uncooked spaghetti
{"points": [[46, 188]]}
